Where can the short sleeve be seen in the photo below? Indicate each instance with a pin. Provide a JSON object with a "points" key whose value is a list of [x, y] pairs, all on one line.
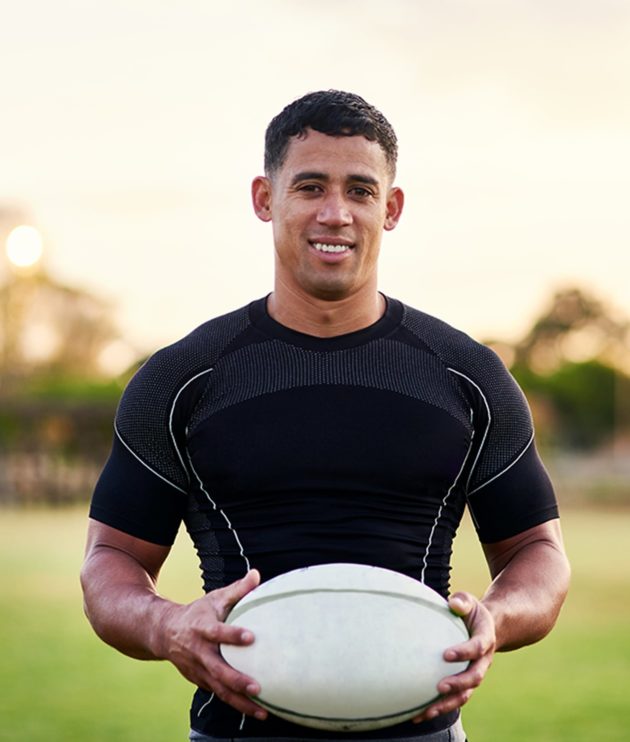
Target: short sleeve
{"points": [[130, 497]]}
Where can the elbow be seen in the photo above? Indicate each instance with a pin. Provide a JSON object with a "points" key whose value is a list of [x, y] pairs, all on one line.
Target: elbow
{"points": [[564, 583], [557, 590], [86, 581]]}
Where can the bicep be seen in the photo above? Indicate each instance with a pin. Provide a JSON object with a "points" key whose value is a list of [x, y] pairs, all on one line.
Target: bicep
{"points": [[499, 554], [106, 541]]}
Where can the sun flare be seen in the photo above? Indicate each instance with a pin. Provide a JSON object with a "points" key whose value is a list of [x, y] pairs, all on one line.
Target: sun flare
{"points": [[24, 246]]}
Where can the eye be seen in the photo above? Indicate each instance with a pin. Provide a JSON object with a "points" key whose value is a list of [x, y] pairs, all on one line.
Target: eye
{"points": [[309, 188], [360, 192]]}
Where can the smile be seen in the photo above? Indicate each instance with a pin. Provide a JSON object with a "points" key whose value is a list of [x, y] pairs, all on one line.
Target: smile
{"points": [[324, 247]]}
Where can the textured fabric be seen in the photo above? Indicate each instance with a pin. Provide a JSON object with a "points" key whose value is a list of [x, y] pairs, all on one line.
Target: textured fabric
{"points": [[281, 450]]}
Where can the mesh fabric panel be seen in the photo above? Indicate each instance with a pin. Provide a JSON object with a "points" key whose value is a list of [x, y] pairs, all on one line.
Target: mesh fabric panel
{"points": [[143, 415], [383, 364], [509, 428]]}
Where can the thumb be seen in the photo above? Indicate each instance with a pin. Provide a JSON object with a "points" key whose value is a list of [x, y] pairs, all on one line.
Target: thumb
{"points": [[462, 604]]}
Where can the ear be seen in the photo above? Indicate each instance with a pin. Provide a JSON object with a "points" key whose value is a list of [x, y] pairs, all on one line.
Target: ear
{"points": [[395, 203], [261, 197]]}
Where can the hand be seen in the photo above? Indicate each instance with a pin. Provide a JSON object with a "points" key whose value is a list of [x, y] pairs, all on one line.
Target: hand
{"points": [[192, 635], [479, 650]]}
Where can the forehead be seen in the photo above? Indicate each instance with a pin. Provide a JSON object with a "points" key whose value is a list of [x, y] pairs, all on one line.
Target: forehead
{"points": [[330, 155]]}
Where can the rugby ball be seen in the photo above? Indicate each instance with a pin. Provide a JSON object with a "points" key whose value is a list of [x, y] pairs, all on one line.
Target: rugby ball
{"points": [[345, 647]]}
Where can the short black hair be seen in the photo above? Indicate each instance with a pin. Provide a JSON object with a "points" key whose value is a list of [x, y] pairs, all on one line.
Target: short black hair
{"points": [[332, 112]]}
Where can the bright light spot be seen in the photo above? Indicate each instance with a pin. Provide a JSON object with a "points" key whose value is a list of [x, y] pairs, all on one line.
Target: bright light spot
{"points": [[40, 342], [116, 357], [584, 344], [24, 246]]}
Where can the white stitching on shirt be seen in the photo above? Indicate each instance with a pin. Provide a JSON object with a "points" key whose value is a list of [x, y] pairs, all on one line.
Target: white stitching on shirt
{"points": [[485, 434], [509, 466], [170, 417], [214, 507], [144, 463], [440, 509]]}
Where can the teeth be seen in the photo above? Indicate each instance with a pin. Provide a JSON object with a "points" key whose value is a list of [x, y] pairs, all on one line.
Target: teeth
{"points": [[322, 247]]}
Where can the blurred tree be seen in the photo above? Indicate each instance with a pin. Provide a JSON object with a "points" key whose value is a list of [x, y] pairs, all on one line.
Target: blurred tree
{"points": [[579, 404], [575, 327], [47, 328], [573, 366], [57, 399], [60, 360]]}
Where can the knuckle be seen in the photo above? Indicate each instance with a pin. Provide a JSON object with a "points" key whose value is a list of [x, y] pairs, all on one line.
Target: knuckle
{"points": [[212, 633], [221, 692], [466, 697]]}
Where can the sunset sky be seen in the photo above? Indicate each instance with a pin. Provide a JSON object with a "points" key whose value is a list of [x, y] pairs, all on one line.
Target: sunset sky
{"points": [[131, 130]]}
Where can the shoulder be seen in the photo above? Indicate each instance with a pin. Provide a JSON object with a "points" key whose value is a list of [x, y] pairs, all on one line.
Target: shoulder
{"points": [[454, 347], [153, 409], [203, 345], [178, 362], [150, 395], [481, 374]]}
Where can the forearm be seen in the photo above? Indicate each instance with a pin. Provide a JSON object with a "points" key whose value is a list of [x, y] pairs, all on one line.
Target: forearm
{"points": [[122, 604], [527, 593]]}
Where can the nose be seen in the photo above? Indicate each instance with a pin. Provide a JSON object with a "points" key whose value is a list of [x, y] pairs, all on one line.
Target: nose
{"points": [[334, 211]]}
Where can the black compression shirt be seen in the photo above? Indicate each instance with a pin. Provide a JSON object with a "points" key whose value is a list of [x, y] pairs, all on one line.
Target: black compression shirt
{"points": [[281, 450]]}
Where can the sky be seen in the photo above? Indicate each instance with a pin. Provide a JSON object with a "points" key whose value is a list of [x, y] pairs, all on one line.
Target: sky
{"points": [[131, 131]]}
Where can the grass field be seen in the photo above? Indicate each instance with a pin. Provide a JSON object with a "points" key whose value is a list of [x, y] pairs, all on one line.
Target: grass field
{"points": [[59, 682]]}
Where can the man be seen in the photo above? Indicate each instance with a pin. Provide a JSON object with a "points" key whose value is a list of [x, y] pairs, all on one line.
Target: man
{"points": [[324, 423]]}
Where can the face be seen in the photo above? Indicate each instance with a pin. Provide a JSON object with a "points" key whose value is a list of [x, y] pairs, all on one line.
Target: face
{"points": [[329, 204]]}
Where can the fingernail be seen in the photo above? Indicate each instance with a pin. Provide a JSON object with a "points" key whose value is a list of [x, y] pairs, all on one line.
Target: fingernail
{"points": [[252, 689], [261, 715], [247, 636]]}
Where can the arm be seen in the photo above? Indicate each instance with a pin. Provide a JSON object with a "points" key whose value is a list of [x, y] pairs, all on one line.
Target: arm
{"points": [[119, 578], [530, 574], [530, 581]]}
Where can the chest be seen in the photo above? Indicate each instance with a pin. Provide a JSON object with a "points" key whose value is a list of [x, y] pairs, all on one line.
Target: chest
{"points": [[328, 437]]}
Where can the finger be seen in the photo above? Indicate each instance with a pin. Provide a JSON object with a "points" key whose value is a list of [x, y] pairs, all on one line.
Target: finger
{"points": [[242, 703], [239, 701], [471, 650], [480, 626], [232, 686], [221, 633], [462, 604], [444, 706], [213, 673], [466, 680], [233, 680], [225, 597]]}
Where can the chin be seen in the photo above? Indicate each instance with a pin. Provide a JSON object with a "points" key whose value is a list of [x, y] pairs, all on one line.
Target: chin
{"points": [[329, 293], [333, 289]]}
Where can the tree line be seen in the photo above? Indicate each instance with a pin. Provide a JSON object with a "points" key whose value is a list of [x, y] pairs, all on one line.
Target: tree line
{"points": [[56, 409]]}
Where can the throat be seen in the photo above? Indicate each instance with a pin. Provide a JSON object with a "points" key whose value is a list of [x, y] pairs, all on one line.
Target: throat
{"points": [[321, 318]]}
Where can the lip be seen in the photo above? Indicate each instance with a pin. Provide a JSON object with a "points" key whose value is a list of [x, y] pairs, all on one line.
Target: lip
{"points": [[325, 240], [331, 257]]}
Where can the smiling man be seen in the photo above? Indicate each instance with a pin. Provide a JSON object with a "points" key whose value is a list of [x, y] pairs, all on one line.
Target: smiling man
{"points": [[328, 202], [323, 423]]}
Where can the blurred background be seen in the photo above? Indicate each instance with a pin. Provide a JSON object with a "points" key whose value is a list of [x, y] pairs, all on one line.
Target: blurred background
{"points": [[129, 136]]}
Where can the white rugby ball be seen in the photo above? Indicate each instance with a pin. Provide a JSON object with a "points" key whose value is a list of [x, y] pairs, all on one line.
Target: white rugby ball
{"points": [[345, 647]]}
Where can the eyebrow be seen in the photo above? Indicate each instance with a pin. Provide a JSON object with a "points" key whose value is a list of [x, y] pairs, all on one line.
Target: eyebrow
{"points": [[315, 175]]}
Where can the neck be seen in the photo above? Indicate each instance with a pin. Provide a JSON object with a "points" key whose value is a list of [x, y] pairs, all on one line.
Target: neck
{"points": [[322, 317]]}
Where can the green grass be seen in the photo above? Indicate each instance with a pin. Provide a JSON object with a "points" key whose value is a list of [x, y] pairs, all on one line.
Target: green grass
{"points": [[59, 682]]}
